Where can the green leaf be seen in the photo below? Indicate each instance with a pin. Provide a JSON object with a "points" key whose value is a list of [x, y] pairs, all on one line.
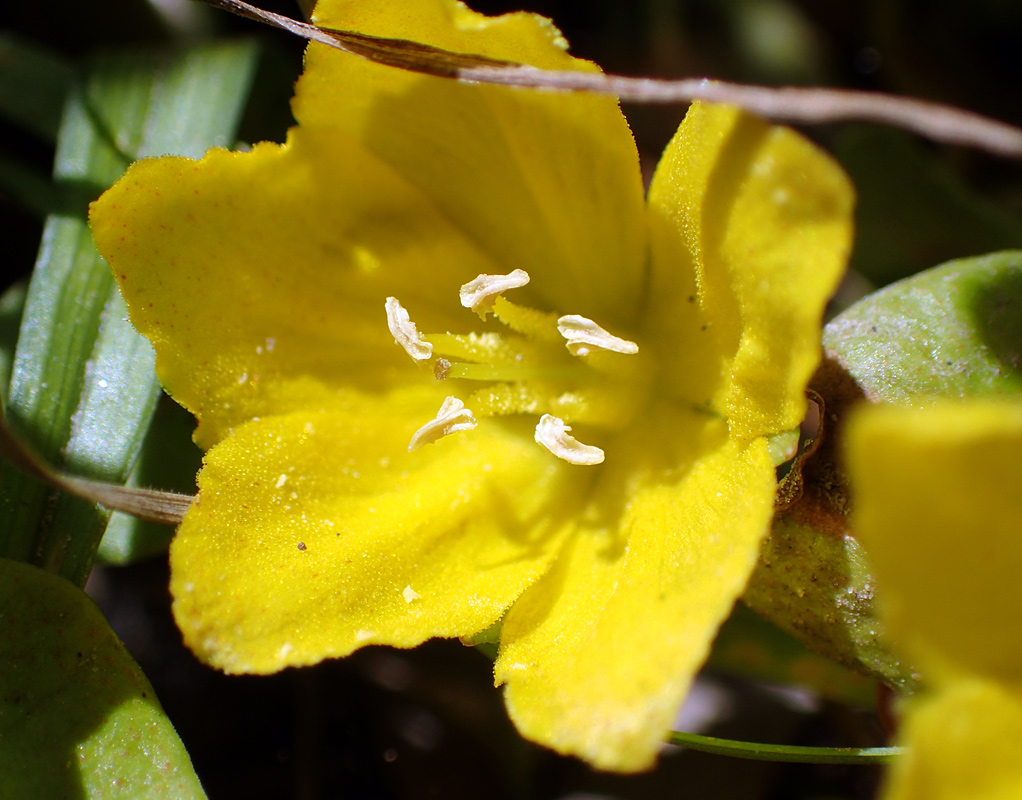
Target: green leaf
{"points": [[27, 187], [952, 331], [83, 387], [12, 305], [33, 84], [913, 211], [77, 716], [748, 646]]}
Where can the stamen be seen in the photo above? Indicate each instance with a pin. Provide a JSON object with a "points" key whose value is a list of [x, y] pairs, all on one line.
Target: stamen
{"points": [[552, 433], [452, 417], [508, 372], [479, 294], [584, 336], [405, 333]]}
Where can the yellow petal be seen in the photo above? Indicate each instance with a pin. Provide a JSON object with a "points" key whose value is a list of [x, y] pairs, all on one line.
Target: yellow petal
{"points": [[963, 744], [546, 182], [318, 533], [598, 655], [766, 218], [938, 507], [250, 272]]}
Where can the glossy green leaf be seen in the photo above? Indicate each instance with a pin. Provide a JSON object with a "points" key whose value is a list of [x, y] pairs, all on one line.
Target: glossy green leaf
{"points": [[83, 388], [952, 331], [78, 719]]}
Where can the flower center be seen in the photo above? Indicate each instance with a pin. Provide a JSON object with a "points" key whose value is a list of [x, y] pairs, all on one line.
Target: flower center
{"points": [[565, 370]]}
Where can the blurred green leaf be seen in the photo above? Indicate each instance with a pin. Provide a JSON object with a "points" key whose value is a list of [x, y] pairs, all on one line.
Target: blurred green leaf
{"points": [[12, 306], [954, 331], [33, 85], [913, 211], [27, 187], [83, 388], [748, 646], [78, 719]]}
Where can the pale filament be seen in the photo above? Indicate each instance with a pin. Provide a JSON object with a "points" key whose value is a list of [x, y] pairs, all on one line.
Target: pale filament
{"points": [[552, 433], [480, 293], [405, 333], [584, 336], [452, 417]]}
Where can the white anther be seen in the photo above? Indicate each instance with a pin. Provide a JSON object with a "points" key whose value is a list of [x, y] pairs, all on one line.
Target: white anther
{"points": [[584, 336], [552, 433], [480, 293], [451, 418], [405, 333]]}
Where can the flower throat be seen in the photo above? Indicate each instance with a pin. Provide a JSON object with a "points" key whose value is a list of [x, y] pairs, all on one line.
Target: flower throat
{"points": [[564, 369]]}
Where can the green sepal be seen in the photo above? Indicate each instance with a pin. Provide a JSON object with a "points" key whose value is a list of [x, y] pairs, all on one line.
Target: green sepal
{"points": [[818, 587]]}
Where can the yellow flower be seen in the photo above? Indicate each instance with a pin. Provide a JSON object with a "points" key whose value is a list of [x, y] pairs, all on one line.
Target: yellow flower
{"points": [[938, 506], [671, 337]]}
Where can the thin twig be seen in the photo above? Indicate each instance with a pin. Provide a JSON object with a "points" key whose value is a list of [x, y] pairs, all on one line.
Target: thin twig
{"points": [[808, 106], [148, 504]]}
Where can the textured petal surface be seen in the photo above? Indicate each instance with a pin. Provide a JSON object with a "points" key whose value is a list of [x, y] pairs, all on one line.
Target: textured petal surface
{"points": [[547, 182], [766, 219], [962, 745], [318, 533], [599, 654], [940, 512], [251, 272]]}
